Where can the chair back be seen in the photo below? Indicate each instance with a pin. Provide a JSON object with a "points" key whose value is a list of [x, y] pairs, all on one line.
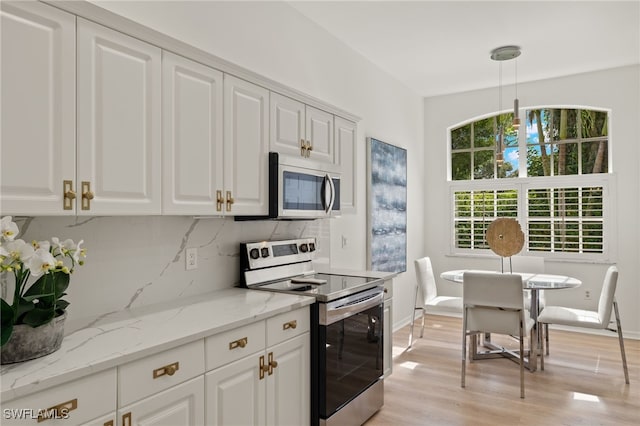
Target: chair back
{"points": [[484, 293], [532, 264], [425, 278], [605, 305]]}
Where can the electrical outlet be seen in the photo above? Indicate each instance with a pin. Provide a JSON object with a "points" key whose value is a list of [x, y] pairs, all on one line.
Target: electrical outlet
{"points": [[191, 258], [587, 295]]}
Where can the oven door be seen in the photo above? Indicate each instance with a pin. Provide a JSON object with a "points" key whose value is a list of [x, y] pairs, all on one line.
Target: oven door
{"points": [[350, 348]]}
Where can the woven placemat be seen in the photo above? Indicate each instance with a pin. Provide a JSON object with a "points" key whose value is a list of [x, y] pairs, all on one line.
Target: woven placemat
{"points": [[505, 237]]}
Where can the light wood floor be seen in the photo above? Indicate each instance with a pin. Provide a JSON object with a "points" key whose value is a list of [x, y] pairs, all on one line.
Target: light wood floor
{"points": [[582, 384]]}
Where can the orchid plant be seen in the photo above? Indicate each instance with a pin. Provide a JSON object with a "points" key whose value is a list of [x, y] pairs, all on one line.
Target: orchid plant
{"points": [[41, 272]]}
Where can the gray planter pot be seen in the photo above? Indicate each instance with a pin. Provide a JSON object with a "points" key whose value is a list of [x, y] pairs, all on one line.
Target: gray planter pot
{"points": [[27, 342]]}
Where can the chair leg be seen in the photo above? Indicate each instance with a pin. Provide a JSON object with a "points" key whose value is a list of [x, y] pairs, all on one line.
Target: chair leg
{"points": [[624, 357], [464, 348], [522, 358], [422, 329], [546, 334], [413, 318], [544, 331]]}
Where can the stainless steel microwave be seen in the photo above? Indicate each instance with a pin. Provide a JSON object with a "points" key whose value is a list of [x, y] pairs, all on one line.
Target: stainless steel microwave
{"points": [[300, 188]]}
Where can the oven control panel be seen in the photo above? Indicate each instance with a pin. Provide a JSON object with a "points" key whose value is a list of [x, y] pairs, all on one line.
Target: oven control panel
{"points": [[264, 254]]}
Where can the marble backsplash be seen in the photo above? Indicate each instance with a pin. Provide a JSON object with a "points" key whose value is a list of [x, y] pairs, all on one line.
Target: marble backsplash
{"points": [[138, 261]]}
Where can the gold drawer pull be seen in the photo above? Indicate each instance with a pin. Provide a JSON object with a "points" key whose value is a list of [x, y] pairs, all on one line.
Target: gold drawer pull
{"points": [[68, 194], [271, 363], [219, 201], [126, 419], [87, 195], [167, 370], [262, 367], [290, 324], [240, 343], [109, 423], [58, 411], [230, 201]]}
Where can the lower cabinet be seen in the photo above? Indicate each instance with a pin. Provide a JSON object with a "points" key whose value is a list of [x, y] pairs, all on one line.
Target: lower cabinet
{"points": [[179, 405], [255, 374], [387, 343]]}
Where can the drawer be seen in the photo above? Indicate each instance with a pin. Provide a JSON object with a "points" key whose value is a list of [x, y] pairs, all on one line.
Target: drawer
{"points": [[158, 372], [85, 399], [287, 325], [235, 344]]}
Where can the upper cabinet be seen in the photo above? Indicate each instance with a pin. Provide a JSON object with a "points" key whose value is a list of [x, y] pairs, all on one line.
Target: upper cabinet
{"points": [[301, 130], [246, 148], [119, 94], [346, 158], [38, 153], [192, 178]]}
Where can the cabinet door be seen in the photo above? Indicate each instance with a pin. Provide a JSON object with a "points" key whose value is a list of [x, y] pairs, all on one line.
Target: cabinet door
{"points": [[118, 122], [236, 394], [319, 132], [288, 388], [346, 158], [38, 108], [192, 136], [180, 405], [246, 145], [387, 342], [287, 125]]}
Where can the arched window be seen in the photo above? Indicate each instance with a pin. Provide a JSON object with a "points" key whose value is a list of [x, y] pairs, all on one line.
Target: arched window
{"points": [[552, 175]]}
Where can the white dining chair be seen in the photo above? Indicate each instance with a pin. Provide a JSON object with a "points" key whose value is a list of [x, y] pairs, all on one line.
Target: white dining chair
{"points": [[426, 285], [600, 319], [494, 303]]}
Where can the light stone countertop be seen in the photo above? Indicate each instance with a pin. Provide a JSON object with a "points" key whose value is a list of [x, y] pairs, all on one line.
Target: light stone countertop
{"points": [[121, 337]]}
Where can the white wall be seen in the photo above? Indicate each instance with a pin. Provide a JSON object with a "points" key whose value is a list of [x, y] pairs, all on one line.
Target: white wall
{"points": [[617, 89], [278, 42]]}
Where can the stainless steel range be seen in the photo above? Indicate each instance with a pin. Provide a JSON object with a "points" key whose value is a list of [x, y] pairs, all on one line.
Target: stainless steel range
{"points": [[346, 327]]}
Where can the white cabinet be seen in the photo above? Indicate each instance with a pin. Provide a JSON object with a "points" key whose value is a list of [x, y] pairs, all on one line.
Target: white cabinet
{"points": [[72, 403], [387, 343], [246, 148], [192, 137], [346, 158], [182, 404], [38, 108], [119, 93], [260, 384], [301, 130]]}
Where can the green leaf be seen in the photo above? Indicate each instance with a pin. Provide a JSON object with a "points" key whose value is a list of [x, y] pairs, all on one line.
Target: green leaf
{"points": [[24, 306], [6, 318], [62, 282], [38, 316], [43, 289], [62, 305], [36, 296]]}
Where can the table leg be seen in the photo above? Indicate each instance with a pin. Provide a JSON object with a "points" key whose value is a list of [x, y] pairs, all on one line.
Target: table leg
{"points": [[533, 360]]}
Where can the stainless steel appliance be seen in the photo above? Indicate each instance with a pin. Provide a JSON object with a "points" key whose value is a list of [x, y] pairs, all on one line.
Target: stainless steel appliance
{"points": [[300, 188], [346, 327]]}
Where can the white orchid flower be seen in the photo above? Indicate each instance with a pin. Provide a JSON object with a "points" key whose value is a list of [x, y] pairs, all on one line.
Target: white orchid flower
{"points": [[40, 263], [46, 245], [8, 228], [18, 250], [78, 252]]}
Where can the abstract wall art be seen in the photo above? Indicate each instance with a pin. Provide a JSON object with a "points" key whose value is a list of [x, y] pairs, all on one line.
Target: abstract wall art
{"points": [[387, 206]]}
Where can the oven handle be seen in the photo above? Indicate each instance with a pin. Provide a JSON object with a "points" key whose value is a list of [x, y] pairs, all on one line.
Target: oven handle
{"points": [[329, 315]]}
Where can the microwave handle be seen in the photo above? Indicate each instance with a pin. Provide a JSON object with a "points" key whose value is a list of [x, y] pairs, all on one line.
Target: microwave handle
{"points": [[328, 193]]}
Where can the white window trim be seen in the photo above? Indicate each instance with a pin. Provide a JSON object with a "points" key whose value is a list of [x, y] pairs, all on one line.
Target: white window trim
{"points": [[606, 180]]}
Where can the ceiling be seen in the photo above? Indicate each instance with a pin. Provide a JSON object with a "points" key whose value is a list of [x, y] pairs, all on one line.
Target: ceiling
{"points": [[443, 47]]}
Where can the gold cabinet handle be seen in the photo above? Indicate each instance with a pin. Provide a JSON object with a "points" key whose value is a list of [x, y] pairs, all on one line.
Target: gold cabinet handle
{"points": [[240, 343], [303, 148], [271, 363], [219, 201], [109, 423], [262, 367], [167, 370], [291, 324], [87, 195], [230, 201], [68, 195], [58, 411], [126, 419]]}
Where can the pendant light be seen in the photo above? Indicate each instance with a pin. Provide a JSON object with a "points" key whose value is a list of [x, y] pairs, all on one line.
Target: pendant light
{"points": [[500, 54]]}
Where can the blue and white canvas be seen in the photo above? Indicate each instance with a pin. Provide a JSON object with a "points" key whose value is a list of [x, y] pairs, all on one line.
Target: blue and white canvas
{"points": [[387, 207]]}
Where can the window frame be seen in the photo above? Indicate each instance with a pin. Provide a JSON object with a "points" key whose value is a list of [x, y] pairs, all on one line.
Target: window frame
{"points": [[523, 183]]}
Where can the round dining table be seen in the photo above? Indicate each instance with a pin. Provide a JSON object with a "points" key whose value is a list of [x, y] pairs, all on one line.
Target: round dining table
{"points": [[532, 282]]}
